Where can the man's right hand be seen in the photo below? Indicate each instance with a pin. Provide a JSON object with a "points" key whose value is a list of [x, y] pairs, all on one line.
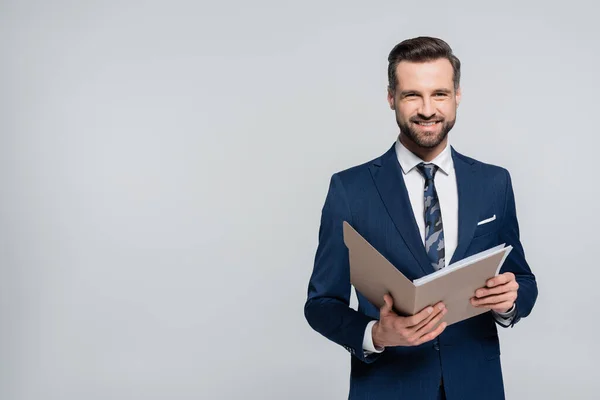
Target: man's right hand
{"points": [[394, 330]]}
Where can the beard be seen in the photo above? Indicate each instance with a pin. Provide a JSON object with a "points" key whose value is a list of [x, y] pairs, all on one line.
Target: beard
{"points": [[423, 138]]}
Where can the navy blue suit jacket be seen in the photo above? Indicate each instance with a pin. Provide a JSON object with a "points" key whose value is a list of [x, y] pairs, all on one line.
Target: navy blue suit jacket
{"points": [[373, 198]]}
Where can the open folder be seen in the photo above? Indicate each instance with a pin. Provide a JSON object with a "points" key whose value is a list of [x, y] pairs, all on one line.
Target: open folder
{"points": [[374, 276]]}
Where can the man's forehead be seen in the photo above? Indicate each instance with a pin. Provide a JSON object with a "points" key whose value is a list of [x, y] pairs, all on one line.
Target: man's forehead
{"points": [[429, 73]]}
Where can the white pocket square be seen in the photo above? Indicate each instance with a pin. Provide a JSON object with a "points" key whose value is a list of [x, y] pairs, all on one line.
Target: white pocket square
{"points": [[485, 221]]}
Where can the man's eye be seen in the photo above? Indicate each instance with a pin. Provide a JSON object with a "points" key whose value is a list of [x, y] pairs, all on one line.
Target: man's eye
{"points": [[440, 95]]}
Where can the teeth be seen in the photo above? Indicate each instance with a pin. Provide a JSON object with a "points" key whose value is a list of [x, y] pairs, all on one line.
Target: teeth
{"points": [[427, 123]]}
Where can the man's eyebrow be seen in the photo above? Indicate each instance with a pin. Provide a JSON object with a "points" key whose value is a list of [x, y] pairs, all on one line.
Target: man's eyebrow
{"points": [[440, 90]]}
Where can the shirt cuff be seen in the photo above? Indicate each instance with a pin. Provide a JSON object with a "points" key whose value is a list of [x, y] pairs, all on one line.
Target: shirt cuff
{"points": [[505, 318], [507, 314], [368, 345]]}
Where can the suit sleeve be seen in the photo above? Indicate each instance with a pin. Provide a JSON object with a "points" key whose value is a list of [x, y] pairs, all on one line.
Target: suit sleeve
{"points": [[327, 308], [515, 262]]}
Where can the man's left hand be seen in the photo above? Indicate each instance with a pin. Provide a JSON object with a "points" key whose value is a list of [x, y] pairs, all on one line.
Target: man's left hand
{"points": [[499, 294]]}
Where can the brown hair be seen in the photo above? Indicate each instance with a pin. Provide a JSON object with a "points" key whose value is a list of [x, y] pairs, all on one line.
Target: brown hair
{"points": [[421, 49]]}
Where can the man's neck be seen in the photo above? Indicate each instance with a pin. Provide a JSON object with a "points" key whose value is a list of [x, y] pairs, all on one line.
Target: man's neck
{"points": [[425, 154]]}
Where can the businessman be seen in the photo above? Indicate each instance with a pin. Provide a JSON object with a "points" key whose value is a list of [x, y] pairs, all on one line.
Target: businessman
{"points": [[422, 205]]}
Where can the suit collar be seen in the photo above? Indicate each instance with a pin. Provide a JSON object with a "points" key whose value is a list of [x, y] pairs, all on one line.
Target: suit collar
{"points": [[388, 178]]}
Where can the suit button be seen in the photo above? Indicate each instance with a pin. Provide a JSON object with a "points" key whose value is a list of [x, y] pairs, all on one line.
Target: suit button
{"points": [[436, 345]]}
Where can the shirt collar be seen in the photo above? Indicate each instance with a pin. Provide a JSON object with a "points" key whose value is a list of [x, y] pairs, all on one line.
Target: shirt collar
{"points": [[408, 160]]}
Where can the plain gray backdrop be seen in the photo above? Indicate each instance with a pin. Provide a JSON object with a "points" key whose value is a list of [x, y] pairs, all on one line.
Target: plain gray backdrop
{"points": [[163, 166]]}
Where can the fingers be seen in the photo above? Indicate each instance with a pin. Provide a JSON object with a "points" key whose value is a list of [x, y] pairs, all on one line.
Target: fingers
{"points": [[421, 324], [431, 335], [500, 279], [431, 324], [422, 315], [499, 289], [423, 331], [494, 299]]}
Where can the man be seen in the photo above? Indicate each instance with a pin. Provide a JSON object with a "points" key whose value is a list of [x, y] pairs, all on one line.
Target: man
{"points": [[422, 205]]}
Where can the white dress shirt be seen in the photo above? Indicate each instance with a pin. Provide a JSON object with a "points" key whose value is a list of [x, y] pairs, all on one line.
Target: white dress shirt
{"points": [[445, 186]]}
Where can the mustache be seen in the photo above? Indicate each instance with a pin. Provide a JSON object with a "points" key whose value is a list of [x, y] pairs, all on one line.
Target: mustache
{"points": [[430, 119]]}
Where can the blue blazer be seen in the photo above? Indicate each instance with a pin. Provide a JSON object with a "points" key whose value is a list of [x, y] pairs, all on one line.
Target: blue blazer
{"points": [[373, 198]]}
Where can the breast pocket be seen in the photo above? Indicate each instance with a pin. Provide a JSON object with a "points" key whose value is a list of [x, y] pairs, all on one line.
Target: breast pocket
{"points": [[486, 226], [485, 237]]}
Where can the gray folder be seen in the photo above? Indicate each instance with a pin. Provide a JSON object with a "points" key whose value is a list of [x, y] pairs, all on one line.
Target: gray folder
{"points": [[374, 276]]}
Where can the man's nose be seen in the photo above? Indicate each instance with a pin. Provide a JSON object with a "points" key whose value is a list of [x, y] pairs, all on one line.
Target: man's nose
{"points": [[427, 109]]}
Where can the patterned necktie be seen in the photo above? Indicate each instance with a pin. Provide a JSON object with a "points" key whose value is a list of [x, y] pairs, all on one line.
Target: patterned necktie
{"points": [[434, 232]]}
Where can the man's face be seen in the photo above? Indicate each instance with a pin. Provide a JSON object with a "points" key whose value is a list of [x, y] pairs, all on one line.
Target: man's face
{"points": [[425, 101]]}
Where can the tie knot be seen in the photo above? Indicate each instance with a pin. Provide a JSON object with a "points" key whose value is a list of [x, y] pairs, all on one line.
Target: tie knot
{"points": [[427, 170]]}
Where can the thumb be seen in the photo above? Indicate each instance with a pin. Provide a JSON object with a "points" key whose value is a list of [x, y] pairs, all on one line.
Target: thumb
{"points": [[387, 306]]}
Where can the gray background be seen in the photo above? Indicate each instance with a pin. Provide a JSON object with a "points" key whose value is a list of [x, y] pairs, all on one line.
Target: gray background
{"points": [[163, 166]]}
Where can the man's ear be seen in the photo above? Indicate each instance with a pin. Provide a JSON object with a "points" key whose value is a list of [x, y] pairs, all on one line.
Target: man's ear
{"points": [[458, 96], [390, 98]]}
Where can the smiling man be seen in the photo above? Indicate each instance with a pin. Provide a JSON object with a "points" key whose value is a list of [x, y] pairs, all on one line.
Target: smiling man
{"points": [[423, 205]]}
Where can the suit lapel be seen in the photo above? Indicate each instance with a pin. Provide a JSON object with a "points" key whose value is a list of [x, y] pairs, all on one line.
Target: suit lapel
{"points": [[387, 174], [467, 178]]}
